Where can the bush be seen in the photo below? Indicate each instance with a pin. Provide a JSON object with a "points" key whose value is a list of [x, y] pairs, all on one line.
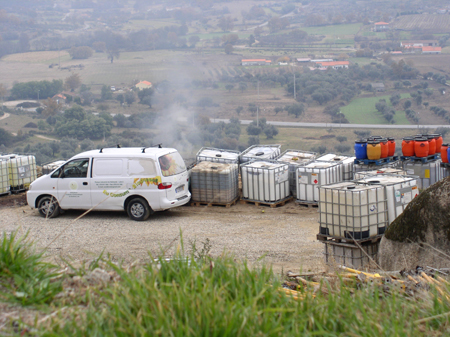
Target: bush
{"points": [[25, 277], [30, 125], [341, 148], [81, 52]]}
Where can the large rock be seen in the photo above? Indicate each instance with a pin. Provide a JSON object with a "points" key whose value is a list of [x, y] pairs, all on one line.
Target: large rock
{"points": [[420, 236]]}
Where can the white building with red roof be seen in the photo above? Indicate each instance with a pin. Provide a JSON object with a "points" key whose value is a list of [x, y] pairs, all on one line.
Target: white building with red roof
{"points": [[334, 64], [143, 85], [381, 26], [431, 50]]}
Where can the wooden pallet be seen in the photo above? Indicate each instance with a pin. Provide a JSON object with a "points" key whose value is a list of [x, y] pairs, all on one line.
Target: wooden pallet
{"points": [[5, 193], [331, 239], [380, 161], [270, 204], [19, 190], [424, 160], [309, 204], [210, 204]]}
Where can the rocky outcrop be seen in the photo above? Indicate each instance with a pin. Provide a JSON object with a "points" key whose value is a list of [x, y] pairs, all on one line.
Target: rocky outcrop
{"points": [[420, 236]]}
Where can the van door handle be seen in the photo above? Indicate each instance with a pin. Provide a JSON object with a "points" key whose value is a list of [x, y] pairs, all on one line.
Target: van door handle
{"points": [[85, 183]]}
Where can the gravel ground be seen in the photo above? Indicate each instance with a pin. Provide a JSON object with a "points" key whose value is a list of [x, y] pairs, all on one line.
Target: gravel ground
{"points": [[284, 237]]}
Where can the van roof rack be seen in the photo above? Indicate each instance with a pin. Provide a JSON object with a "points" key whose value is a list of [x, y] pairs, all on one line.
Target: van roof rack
{"points": [[158, 145], [117, 147]]}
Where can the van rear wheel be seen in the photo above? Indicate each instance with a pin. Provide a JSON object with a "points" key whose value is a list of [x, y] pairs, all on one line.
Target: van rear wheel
{"points": [[138, 209], [48, 207]]}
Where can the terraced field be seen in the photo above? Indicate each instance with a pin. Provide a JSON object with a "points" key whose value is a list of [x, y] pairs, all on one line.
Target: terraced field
{"points": [[426, 22]]}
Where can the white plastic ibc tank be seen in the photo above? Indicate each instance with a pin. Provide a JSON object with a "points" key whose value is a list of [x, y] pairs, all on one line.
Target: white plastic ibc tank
{"points": [[260, 152], [214, 182], [347, 164], [295, 158], [265, 181], [400, 190], [353, 211], [218, 155], [371, 167], [313, 175], [386, 170], [428, 173], [50, 167], [4, 177], [22, 171], [445, 172]]}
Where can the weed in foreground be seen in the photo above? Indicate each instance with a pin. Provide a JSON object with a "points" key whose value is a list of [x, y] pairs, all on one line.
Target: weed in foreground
{"points": [[25, 277]]}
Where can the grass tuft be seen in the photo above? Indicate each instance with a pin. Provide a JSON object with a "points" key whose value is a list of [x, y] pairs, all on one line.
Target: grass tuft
{"points": [[25, 277]]}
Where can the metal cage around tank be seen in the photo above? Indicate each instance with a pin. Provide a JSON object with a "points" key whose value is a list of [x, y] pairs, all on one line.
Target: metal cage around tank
{"points": [[295, 159], [265, 181], [310, 177], [218, 155], [260, 152], [213, 182], [351, 210], [347, 164], [22, 170]]}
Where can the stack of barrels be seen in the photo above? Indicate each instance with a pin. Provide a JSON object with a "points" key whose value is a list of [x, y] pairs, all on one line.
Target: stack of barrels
{"points": [[374, 148], [424, 146]]}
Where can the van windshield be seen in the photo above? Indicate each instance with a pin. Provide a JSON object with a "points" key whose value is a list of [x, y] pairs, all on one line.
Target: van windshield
{"points": [[171, 164]]}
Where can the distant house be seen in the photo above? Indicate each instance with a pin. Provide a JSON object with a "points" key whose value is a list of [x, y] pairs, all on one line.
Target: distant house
{"points": [[143, 85], [59, 98], [334, 64], [282, 63], [255, 62], [303, 60], [378, 87], [381, 26], [322, 60], [431, 50], [418, 44]]}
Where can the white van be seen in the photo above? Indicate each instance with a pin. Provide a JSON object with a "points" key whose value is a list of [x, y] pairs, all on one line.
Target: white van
{"points": [[138, 180]]}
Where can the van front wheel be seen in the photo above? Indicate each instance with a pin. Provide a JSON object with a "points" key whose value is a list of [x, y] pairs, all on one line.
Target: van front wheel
{"points": [[48, 207], [138, 209]]}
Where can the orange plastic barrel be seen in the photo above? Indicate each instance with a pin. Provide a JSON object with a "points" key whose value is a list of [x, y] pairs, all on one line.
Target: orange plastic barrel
{"points": [[439, 141], [408, 146], [444, 155], [373, 150], [391, 143], [421, 146], [384, 147], [431, 145]]}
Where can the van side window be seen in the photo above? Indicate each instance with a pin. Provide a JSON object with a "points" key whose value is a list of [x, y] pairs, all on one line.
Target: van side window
{"points": [[141, 167], [107, 167], [77, 168]]}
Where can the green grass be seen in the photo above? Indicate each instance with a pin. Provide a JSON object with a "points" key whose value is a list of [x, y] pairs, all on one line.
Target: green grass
{"points": [[362, 111], [362, 60], [196, 295], [25, 277], [221, 297], [346, 29]]}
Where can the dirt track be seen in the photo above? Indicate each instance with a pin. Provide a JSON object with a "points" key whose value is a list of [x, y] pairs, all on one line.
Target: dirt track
{"points": [[284, 237]]}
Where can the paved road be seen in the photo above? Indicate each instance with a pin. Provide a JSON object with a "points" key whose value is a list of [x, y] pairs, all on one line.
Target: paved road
{"points": [[336, 125]]}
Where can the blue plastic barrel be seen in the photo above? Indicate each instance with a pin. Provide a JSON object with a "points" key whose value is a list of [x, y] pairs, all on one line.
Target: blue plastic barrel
{"points": [[361, 149]]}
